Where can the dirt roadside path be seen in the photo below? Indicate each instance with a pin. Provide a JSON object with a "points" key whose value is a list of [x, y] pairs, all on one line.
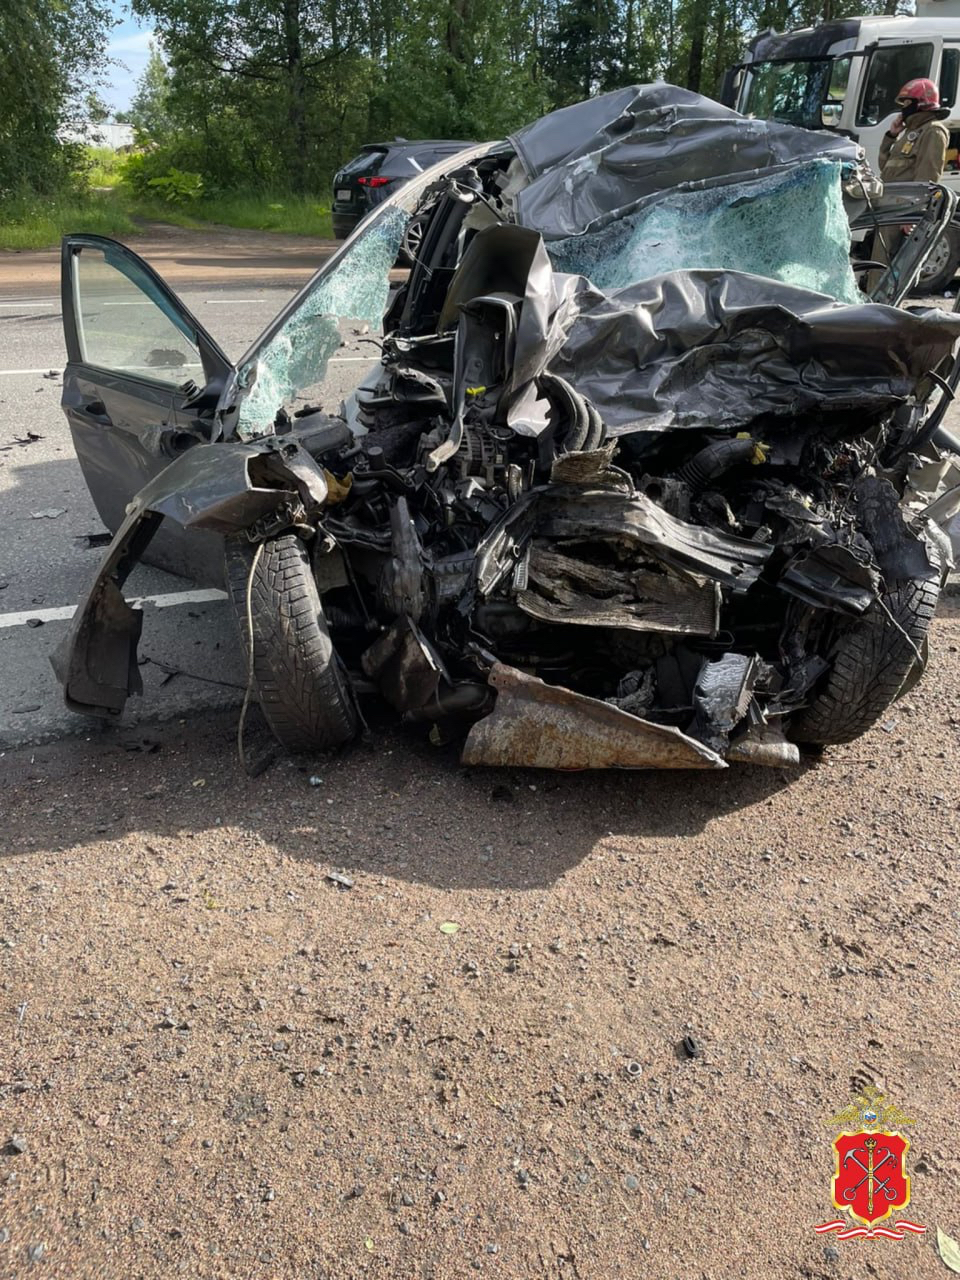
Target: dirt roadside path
{"points": [[212, 256], [217, 1061]]}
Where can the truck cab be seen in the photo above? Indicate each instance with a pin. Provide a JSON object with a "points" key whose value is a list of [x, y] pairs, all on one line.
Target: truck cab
{"points": [[845, 76]]}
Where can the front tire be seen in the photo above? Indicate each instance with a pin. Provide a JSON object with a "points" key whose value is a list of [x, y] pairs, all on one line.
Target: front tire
{"points": [[301, 685], [873, 660]]}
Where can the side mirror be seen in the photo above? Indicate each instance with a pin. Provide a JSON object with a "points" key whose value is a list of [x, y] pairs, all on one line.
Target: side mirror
{"points": [[830, 114]]}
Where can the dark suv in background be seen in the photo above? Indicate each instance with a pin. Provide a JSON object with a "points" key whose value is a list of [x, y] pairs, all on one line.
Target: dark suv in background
{"points": [[378, 171]]}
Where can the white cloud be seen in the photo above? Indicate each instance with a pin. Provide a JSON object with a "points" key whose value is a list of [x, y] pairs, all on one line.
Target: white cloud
{"points": [[137, 43], [128, 54]]}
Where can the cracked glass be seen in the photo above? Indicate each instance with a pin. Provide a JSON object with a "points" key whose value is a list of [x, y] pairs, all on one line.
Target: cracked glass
{"points": [[296, 359], [736, 227]]}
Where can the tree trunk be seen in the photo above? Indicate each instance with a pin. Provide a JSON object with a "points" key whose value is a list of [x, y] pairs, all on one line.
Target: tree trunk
{"points": [[458, 26], [720, 48], [457, 19], [298, 149], [630, 41], [695, 59]]}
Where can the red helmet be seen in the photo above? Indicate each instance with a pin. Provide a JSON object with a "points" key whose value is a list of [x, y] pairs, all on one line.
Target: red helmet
{"points": [[923, 92]]}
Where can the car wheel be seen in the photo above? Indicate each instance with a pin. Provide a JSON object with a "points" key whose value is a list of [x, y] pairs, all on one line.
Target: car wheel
{"points": [[873, 660], [940, 269], [304, 692]]}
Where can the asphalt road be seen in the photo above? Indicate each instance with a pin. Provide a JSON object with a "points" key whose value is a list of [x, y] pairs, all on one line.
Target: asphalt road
{"points": [[190, 659]]}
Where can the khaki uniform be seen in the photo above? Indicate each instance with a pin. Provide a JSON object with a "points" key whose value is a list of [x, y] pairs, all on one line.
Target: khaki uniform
{"points": [[917, 154]]}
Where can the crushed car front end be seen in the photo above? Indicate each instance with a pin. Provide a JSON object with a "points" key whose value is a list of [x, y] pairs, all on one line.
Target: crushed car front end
{"points": [[631, 483]]}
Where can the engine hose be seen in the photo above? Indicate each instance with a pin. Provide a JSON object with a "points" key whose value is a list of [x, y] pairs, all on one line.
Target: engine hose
{"points": [[570, 406], [598, 430], [710, 463]]}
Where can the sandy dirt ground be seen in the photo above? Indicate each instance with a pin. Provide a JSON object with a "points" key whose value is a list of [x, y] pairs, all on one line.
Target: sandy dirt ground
{"points": [[185, 257], [219, 1061]]}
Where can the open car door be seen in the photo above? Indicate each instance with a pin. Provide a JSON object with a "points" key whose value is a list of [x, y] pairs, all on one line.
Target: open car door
{"points": [[140, 387]]}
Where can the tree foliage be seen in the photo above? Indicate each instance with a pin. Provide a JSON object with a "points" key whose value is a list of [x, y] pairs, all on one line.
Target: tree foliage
{"points": [[151, 111], [278, 93], [48, 49]]}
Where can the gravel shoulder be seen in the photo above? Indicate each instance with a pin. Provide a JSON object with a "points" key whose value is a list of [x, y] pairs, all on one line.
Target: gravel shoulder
{"points": [[220, 1062]]}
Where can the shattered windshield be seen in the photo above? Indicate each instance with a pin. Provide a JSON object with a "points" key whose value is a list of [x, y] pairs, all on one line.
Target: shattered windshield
{"points": [[736, 227], [296, 358]]}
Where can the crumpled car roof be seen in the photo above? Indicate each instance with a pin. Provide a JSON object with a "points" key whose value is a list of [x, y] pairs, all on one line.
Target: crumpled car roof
{"points": [[593, 162], [702, 271], [696, 271]]}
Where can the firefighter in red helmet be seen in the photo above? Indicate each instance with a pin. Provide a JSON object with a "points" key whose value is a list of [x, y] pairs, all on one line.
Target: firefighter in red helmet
{"points": [[914, 149]]}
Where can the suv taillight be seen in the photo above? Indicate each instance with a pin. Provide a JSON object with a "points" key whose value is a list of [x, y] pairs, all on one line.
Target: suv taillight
{"points": [[374, 182]]}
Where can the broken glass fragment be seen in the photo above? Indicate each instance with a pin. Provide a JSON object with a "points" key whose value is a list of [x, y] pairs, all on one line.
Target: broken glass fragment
{"points": [[297, 357]]}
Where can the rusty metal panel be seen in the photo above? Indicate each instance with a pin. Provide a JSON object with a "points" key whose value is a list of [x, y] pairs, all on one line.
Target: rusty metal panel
{"points": [[543, 726]]}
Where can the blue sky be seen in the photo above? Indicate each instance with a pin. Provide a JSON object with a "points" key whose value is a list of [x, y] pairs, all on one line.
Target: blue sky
{"points": [[129, 49]]}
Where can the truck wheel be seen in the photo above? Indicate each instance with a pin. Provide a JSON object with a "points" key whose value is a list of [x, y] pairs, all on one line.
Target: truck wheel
{"points": [[303, 690], [413, 240], [941, 267], [873, 660]]}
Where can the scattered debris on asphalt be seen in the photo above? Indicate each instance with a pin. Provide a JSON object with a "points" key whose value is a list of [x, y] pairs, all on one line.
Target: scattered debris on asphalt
{"points": [[91, 541], [31, 437]]}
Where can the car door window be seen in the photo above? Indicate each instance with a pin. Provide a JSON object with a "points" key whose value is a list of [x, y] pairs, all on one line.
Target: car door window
{"points": [[949, 74], [124, 324], [890, 69]]}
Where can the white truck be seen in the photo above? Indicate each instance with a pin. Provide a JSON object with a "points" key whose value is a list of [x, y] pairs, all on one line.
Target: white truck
{"points": [[845, 75]]}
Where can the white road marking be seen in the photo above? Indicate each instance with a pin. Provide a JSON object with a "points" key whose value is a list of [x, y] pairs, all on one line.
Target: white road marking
{"points": [[169, 600], [29, 302]]}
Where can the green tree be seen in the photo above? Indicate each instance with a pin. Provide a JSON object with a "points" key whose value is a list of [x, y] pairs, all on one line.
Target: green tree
{"points": [[279, 74], [585, 49], [49, 50], [95, 109], [477, 59], [279, 93], [150, 110]]}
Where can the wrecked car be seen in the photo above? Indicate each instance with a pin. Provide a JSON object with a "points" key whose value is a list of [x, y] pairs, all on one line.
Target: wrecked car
{"points": [[631, 483]]}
